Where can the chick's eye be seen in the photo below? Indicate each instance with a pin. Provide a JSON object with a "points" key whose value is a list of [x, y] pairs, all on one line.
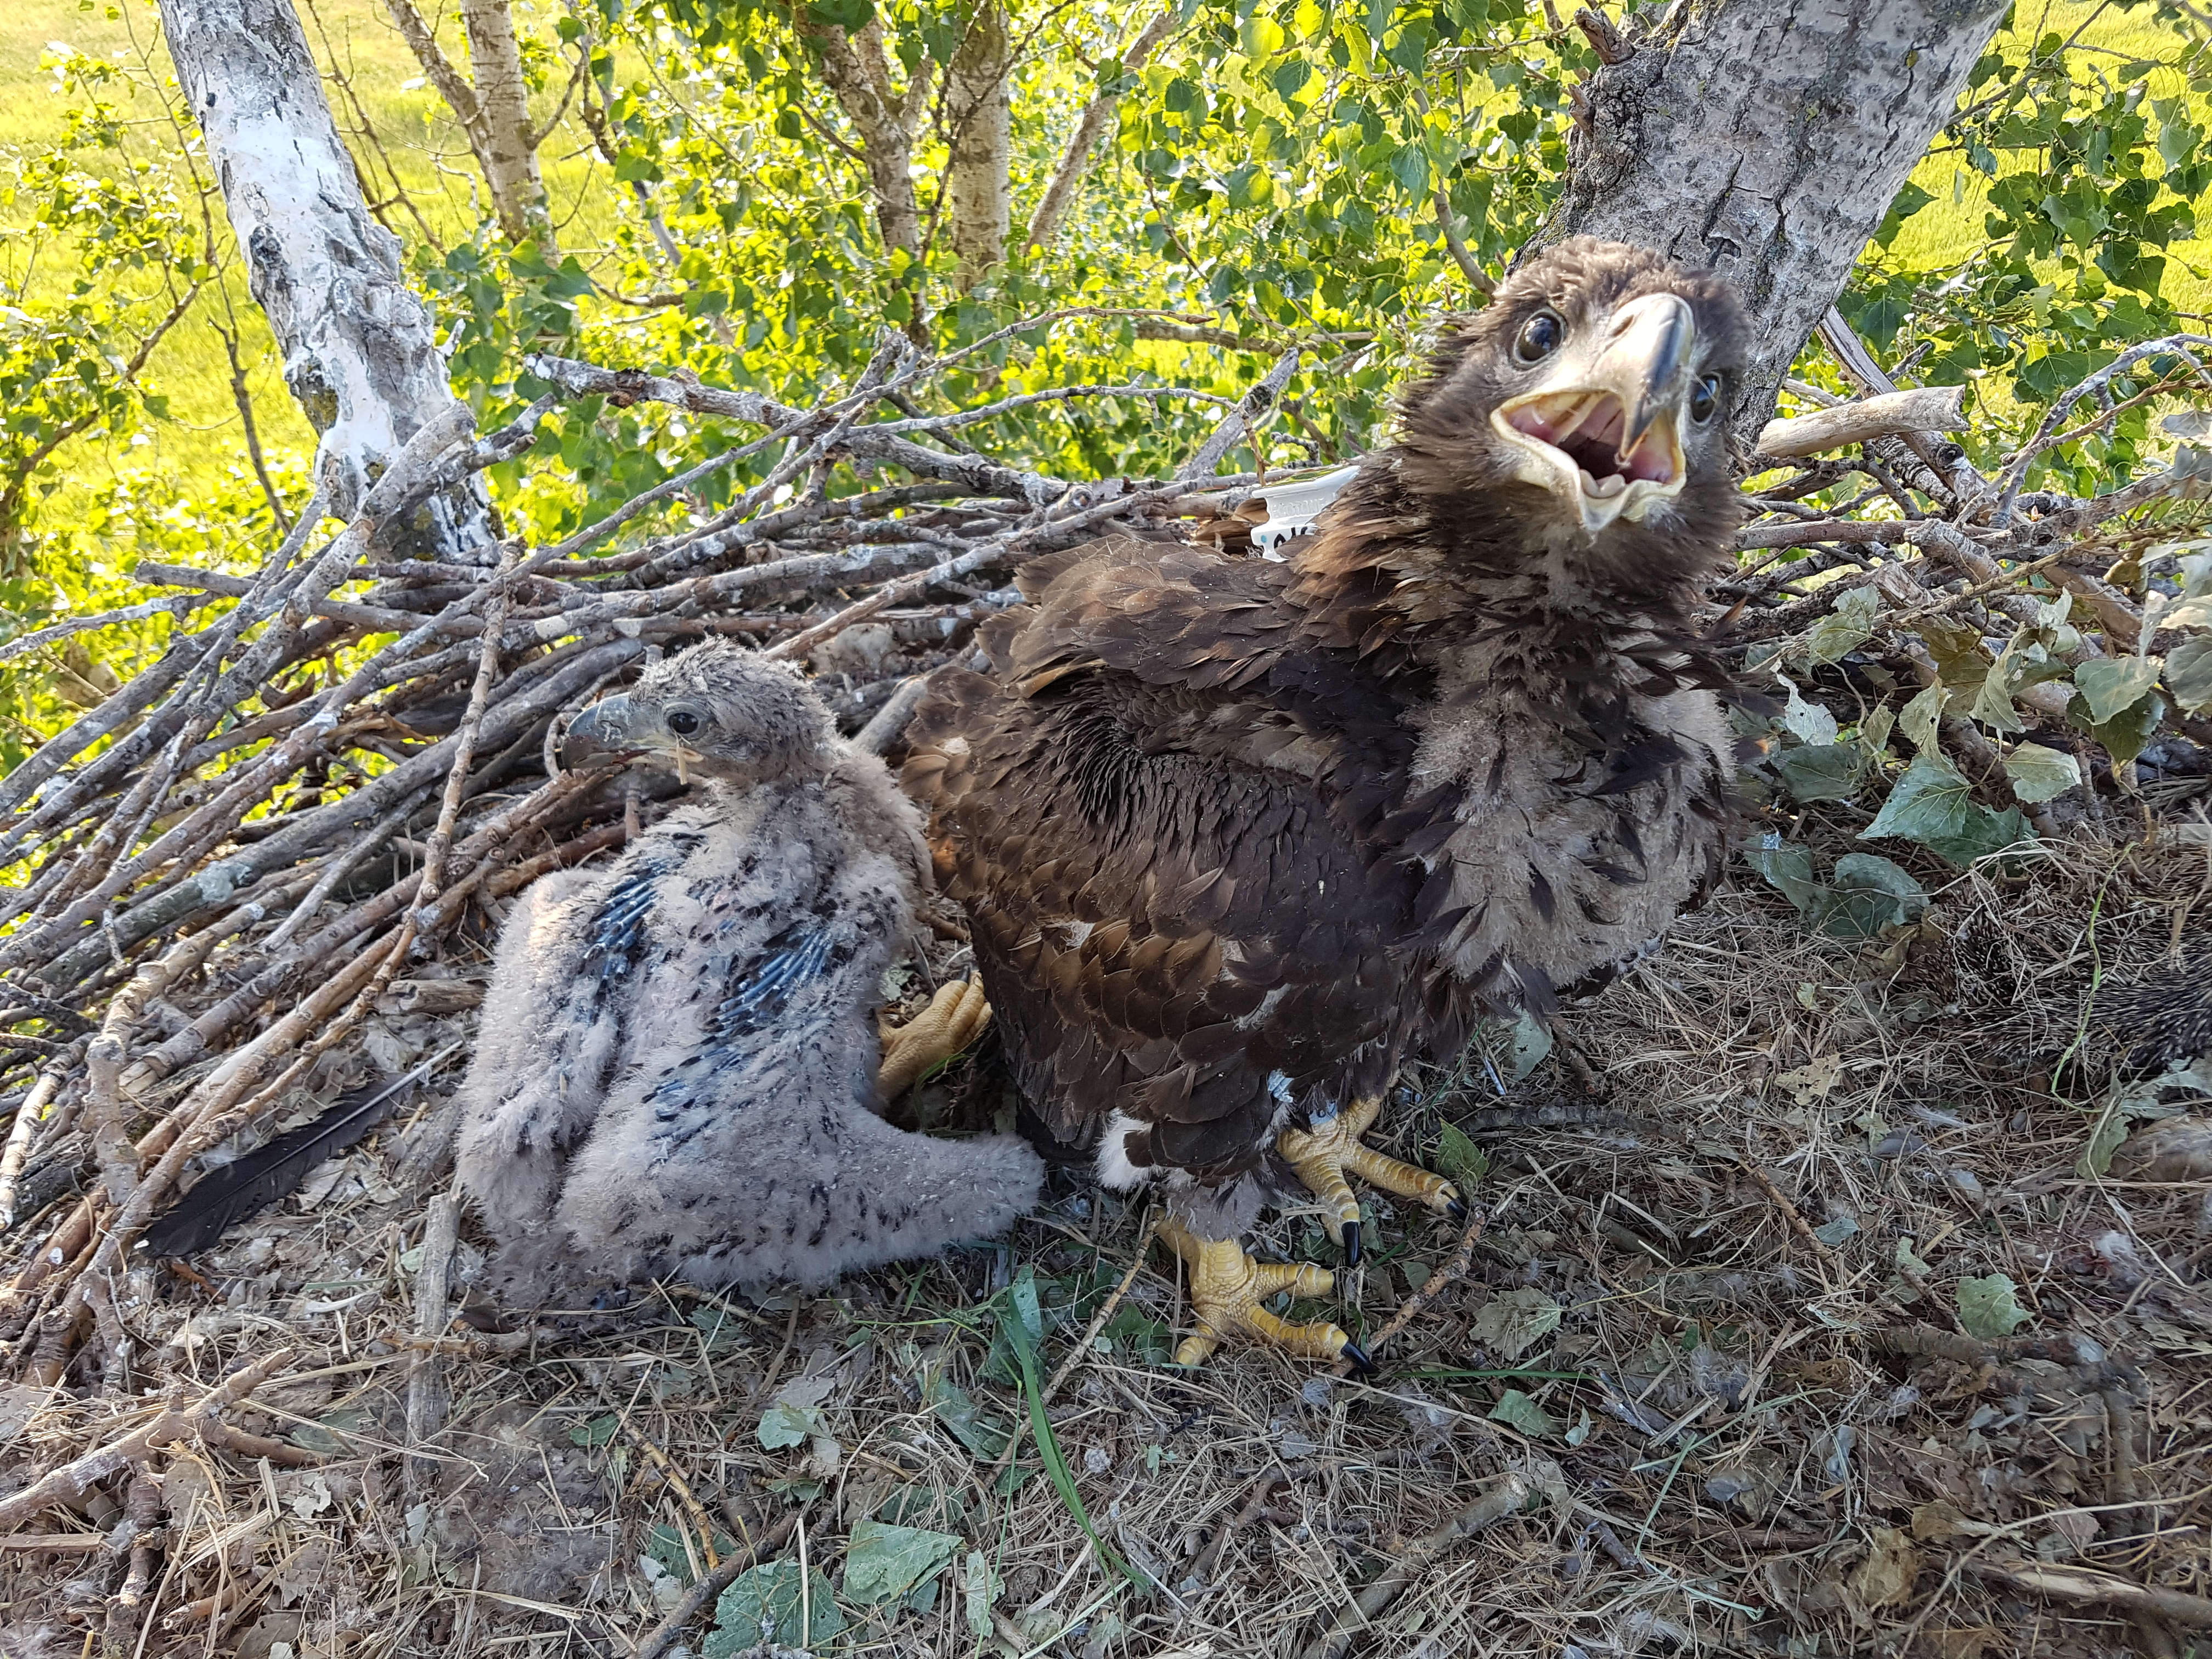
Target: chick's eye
{"points": [[1705, 399], [1540, 337], [683, 722]]}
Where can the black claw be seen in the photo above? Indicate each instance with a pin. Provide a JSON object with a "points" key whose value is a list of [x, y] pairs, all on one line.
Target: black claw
{"points": [[1349, 1234], [1456, 1208], [1362, 1361]]}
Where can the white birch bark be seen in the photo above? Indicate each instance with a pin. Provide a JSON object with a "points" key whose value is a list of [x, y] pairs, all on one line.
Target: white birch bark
{"points": [[360, 347], [1766, 139], [979, 88], [509, 155]]}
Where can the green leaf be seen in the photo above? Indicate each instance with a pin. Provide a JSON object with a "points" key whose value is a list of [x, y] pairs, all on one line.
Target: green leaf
{"points": [[1984, 835], [1988, 1307], [1845, 629], [1527, 1044], [597, 1432], [1514, 1322], [766, 1607], [1789, 869], [1828, 773], [2123, 736], [2189, 674], [1517, 1410], [882, 1561], [983, 1435], [1459, 1159], [1807, 721], [2038, 774], [1920, 716], [980, 1589], [1928, 803], [1834, 1233], [795, 1416], [1870, 894], [841, 14], [2113, 685]]}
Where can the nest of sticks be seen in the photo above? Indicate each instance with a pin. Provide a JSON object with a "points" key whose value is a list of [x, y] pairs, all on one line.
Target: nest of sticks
{"points": [[265, 872]]}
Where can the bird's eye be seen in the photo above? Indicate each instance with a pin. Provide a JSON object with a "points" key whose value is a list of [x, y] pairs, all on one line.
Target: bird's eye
{"points": [[1705, 399], [1540, 337], [682, 722]]}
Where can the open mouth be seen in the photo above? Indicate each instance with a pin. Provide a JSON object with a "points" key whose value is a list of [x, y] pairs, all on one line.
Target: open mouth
{"points": [[1571, 442], [1587, 427]]}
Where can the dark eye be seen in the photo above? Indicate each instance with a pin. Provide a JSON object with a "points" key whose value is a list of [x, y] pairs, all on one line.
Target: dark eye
{"points": [[1706, 399], [1540, 337], [682, 722]]}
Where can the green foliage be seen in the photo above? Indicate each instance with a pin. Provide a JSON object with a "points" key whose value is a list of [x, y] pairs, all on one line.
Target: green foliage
{"points": [[772, 1604], [1988, 1307]]}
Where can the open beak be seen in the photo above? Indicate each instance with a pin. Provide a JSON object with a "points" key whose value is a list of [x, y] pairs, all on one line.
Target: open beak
{"points": [[1603, 431], [599, 735]]}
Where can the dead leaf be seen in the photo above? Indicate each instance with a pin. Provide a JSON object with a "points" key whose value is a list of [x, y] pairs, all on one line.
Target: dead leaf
{"points": [[1884, 1577], [1938, 1520], [1812, 1082]]}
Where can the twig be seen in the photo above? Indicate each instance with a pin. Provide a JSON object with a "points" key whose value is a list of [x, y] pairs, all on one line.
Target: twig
{"points": [[18, 1149], [175, 1421], [1507, 1496], [664, 1634], [2064, 1582], [1437, 1282], [1085, 1346]]}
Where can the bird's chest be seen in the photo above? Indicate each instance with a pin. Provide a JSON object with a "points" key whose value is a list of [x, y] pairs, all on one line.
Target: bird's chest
{"points": [[1567, 853]]}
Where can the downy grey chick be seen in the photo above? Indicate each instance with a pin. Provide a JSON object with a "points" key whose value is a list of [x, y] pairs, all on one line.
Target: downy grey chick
{"points": [[678, 1057]]}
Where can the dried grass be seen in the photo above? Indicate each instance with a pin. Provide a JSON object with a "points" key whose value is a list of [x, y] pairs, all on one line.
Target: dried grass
{"points": [[1783, 1442]]}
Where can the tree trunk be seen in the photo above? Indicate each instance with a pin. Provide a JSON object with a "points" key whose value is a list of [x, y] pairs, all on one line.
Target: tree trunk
{"points": [[509, 154], [1766, 139], [858, 72], [979, 86], [494, 112], [360, 349]]}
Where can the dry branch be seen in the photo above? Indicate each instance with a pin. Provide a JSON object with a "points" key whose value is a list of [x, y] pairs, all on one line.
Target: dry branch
{"points": [[175, 1421]]}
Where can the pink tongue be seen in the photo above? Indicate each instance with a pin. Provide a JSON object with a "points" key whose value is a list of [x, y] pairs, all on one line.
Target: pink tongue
{"points": [[1649, 460]]}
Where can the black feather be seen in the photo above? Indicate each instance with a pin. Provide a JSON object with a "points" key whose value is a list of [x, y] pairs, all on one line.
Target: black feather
{"points": [[251, 1184]]}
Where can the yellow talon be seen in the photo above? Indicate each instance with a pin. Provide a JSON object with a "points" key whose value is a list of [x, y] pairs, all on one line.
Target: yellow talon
{"points": [[1226, 1289], [1322, 1156], [955, 1017]]}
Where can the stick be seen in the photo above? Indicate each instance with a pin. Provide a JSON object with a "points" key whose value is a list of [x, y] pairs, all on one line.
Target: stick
{"points": [[1449, 1274], [2074, 1583], [1083, 1347], [18, 1149], [175, 1421], [1507, 1496], [663, 1636]]}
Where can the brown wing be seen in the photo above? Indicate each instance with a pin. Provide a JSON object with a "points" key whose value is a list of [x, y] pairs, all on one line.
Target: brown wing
{"points": [[1178, 914]]}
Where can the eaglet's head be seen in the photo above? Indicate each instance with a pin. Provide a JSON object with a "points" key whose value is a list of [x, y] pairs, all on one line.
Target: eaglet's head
{"points": [[1586, 409], [718, 710]]}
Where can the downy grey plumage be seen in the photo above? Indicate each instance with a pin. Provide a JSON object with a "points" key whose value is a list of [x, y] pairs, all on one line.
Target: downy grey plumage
{"points": [[677, 1066]]}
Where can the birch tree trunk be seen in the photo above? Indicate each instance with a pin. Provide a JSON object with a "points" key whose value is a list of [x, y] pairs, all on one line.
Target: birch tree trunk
{"points": [[858, 72], [360, 350], [979, 86], [1766, 139], [493, 112], [509, 154]]}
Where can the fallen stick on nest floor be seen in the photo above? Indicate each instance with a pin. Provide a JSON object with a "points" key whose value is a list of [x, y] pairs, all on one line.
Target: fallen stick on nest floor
{"points": [[741, 1561], [174, 1421], [1436, 1283], [1508, 1495]]}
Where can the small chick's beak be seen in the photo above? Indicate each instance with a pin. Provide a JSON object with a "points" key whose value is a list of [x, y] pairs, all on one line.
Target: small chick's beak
{"points": [[599, 735], [1603, 430]]}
